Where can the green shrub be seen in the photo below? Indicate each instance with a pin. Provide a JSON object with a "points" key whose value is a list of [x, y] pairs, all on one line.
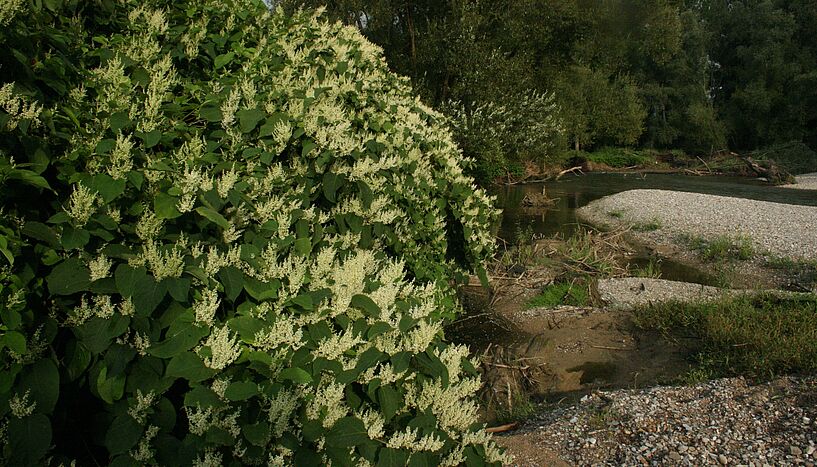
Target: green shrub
{"points": [[237, 246], [620, 157]]}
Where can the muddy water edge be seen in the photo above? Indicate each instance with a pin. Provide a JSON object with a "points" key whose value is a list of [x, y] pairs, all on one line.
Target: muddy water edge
{"points": [[555, 355]]}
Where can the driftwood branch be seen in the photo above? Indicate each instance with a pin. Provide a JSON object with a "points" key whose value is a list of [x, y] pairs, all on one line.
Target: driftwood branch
{"points": [[572, 170]]}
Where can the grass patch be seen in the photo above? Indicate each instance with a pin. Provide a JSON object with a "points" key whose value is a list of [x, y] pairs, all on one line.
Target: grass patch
{"points": [[650, 226], [723, 248], [761, 336], [565, 293], [616, 214], [802, 273], [651, 270]]}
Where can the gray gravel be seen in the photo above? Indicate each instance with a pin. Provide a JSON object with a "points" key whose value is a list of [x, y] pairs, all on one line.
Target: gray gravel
{"points": [[631, 292], [720, 422], [778, 229], [804, 182]]}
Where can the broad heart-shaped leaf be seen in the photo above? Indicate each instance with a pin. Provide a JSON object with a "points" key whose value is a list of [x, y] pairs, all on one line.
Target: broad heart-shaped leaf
{"points": [[97, 333], [233, 281], [29, 439], [110, 387], [123, 434], [257, 433], [261, 290], [213, 216], [390, 401], [248, 119], [164, 206], [182, 336], [41, 232], [72, 238], [189, 366], [138, 285], [69, 277], [331, 183], [295, 374], [366, 304], [388, 457], [108, 188], [347, 433], [15, 341], [211, 113], [43, 381], [246, 327], [223, 59], [241, 390]]}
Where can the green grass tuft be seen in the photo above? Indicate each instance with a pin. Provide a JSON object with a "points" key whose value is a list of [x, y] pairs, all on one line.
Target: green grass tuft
{"points": [[759, 336], [564, 293], [723, 248]]}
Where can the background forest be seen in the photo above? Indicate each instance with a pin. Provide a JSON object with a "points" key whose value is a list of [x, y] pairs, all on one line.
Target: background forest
{"points": [[524, 80]]}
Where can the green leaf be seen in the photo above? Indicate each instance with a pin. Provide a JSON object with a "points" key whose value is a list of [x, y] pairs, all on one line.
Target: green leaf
{"points": [[164, 206], [74, 239], [389, 457], [119, 120], [303, 246], [331, 184], [15, 341], [223, 59], [211, 113], [377, 329], [108, 188], [304, 301], [246, 327], [29, 439], [261, 290], [69, 277], [233, 281], [189, 366], [151, 138], [248, 119], [241, 390], [96, 333], [257, 434], [178, 287], [366, 304], [112, 388], [123, 434], [390, 401], [181, 337], [307, 147], [137, 284], [78, 359], [41, 232], [43, 380], [295, 374], [213, 216], [347, 433]]}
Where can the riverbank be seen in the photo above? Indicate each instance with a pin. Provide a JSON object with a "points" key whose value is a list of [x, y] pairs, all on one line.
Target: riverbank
{"points": [[776, 229], [804, 182]]}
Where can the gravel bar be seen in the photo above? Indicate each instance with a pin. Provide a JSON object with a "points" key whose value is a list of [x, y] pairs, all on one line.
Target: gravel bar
{"points": [[782, 230], [721, 422], [804, 182]]}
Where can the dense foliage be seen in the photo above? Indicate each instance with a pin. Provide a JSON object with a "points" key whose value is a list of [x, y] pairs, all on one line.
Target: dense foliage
{"points": [[228, 237], [698, 76]]}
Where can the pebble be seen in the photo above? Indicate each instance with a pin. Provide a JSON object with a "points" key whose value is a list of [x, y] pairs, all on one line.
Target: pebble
{"points": [[719, 422]]}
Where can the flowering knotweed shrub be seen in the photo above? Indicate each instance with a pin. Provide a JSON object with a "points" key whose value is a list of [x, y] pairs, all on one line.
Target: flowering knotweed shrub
{"points": [[248, 257]]}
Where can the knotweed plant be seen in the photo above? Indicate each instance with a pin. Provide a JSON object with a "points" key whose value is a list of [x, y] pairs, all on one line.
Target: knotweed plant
{"points": [[249, 255]]}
